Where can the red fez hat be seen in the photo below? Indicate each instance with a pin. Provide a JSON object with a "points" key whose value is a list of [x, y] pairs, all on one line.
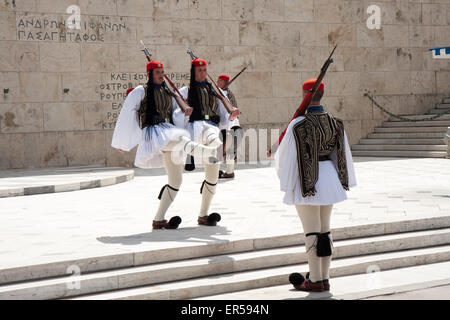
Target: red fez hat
{"points": [[224, 77], [154, 65], [309, 84], [128, 91], [199, 62]]}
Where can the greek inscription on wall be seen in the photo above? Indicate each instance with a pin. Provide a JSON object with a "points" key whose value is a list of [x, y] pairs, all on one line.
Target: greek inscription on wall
{"points": [[46, 28], [115, 91]]}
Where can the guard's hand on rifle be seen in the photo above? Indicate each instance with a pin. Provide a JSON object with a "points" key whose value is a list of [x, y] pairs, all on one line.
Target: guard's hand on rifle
{"points": [[188, 111], [121, 151], [234, 113]]}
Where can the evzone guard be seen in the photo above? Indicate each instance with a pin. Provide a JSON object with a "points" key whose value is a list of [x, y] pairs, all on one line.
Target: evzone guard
{"points": [[209, 112], [232, 133], [152, 118], [315, 167]]}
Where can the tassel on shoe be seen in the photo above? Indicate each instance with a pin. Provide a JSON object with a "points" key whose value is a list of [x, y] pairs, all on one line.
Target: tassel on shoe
{"points": [[210, 220], [173, 223]]}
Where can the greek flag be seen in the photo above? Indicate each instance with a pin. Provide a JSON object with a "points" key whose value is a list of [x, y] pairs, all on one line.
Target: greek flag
{"points": [[441, 53]]}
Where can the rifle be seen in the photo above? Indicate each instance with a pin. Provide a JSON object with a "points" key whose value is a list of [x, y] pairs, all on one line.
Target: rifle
{"points": [[307, 100], [227, 104], [178, 97], [231, 81]]}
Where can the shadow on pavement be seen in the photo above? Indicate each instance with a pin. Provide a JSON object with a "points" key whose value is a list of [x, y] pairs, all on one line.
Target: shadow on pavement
{"points": [[201, 234]]}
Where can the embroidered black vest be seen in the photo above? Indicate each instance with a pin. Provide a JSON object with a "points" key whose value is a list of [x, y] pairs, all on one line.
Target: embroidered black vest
{"points": [[160, 111], [316, 137], [232, 98], [207, 108]]}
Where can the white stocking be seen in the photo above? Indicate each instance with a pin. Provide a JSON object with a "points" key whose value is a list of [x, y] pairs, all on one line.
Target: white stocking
{"points": [[325, 216], [310, 217], [211, 138], [209, 187], [174, 174]]}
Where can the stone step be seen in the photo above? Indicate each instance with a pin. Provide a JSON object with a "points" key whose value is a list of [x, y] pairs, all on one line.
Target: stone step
{"points": [[407, 135], [410, 129], [434, 123], [92, 264], [246, 280], [447, 101], [214, 265], [443, 106], [398, 147], [400, 154], [438, 111], [25, 182], [361, 286], [420, 117], [403, 141]]}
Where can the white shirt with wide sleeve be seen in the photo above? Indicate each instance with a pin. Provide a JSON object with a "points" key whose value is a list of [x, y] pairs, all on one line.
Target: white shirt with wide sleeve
{"points": [[225, 122], [329, 188], [150, 140], [127, 133]]}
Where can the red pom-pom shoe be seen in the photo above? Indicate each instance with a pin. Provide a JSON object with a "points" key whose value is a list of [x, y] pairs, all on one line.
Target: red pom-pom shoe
{"points": [[209, 220], [308, 285], [173, 223], [300, 283]]}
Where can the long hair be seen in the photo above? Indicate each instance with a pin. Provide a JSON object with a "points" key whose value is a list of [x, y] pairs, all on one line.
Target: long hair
{"points": [[192, 93], [150, 107], [150, 98]]}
